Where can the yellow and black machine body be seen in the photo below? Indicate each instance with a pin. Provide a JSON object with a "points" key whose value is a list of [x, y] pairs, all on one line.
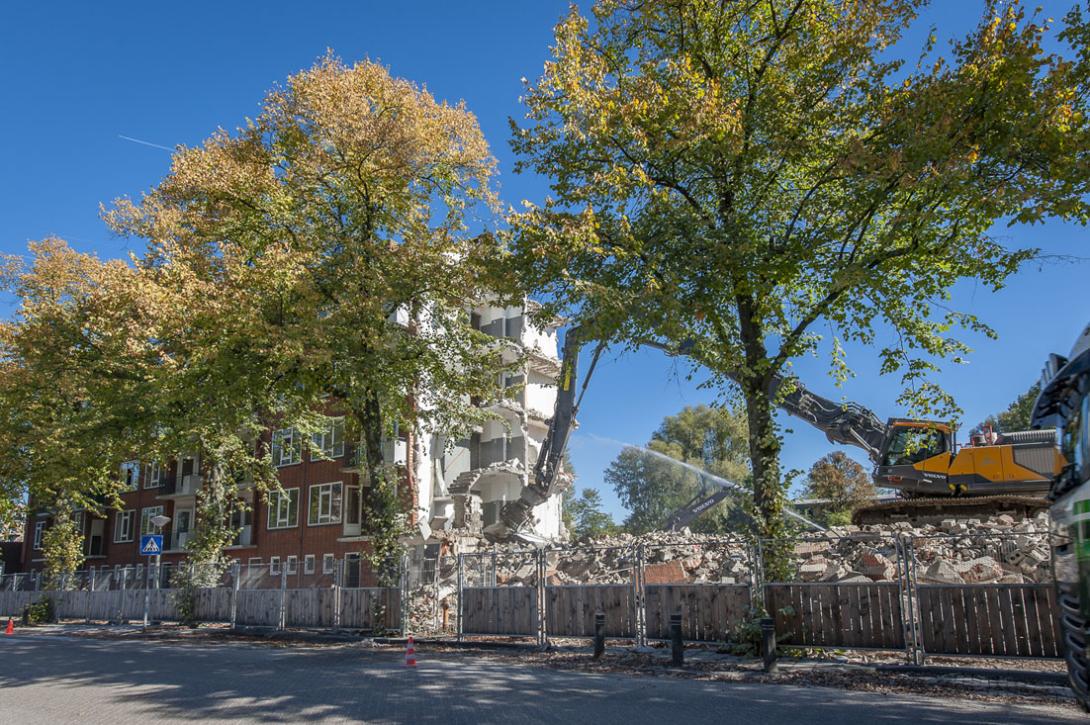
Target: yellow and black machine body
{"points": [[920, 458]]}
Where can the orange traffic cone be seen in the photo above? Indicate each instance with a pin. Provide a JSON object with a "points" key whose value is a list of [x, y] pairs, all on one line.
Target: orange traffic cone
{"points": [[410, 653], [10, 629]]}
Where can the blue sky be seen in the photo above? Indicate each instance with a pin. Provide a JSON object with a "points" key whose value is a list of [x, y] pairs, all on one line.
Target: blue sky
{"points": [[77, 76]]}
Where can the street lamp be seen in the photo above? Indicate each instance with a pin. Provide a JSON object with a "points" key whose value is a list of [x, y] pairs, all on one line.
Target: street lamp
{"points": [[158, 522]]}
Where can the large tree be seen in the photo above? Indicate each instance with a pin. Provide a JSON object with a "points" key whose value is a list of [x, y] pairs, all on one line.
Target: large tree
{"points": [[843, 482], [74, 391], [322, 252], [750, 177], [584, 517], [652, 486]]}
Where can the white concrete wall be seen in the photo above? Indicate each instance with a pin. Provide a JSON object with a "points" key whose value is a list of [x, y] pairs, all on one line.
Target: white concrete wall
{"points": [[437, 470]]}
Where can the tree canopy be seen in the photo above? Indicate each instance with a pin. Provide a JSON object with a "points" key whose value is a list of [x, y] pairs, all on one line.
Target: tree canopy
{"points": [[584, 517], [318, 257], [845, 483], [765, 180]]}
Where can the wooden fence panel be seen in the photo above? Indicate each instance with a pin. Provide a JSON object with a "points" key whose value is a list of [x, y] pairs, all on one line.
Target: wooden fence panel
{"points": [[499, 610], [371, 608], [214, 604], [837, 615], [570, 610], [258, 607], [13, 603], [301, 608], [709, 612], [1010, 620]]}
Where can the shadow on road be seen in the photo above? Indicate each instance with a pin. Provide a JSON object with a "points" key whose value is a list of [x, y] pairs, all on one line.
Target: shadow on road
{"points": [[190, 681]]}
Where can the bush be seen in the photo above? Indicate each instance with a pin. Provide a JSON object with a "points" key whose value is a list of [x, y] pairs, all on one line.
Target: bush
{"points": [[40, 612]]}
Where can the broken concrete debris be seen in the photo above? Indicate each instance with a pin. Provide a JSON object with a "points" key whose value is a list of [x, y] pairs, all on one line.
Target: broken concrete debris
{"points": [[1000, 549]]}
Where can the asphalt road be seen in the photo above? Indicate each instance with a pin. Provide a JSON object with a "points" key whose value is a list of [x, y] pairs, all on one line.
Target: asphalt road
{"points": [[55, 679]]}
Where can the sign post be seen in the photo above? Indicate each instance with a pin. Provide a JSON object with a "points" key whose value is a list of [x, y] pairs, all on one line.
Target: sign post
{"points": [[152, 545]]}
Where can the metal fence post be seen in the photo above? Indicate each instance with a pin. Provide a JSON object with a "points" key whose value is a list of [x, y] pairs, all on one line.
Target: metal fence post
{"points": [[542, 568], [90, 593], [907, 597], [914, 600], [283, 596], [121, 597], [461, 585], [641, 598], [404, 591], [236, 575], [338, 582]]}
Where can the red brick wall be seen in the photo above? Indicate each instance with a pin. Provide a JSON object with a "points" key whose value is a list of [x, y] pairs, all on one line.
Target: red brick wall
{"points": [[301, 540]]}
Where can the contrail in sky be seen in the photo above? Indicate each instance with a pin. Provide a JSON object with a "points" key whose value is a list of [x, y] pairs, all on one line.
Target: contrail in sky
{"points": [[145, 143]]}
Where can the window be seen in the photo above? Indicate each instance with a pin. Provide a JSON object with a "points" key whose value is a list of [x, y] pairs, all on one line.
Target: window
{"points": [[253, 561], [325, 504], [308, 564], [146, 515], [274, 566], [283, 508], [909, 446], [123, 521], [285, 447], [130, 475], [155, 476], [292, 564], [352, 505], [327, 563], [331, 441], [39, 529]]}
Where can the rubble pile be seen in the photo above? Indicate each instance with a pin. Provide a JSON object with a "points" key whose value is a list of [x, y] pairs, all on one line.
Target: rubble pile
{"points": [[999, 549]]}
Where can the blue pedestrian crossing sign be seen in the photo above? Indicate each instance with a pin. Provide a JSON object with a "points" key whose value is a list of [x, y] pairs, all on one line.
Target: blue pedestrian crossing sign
{"points": [[151, 544]]}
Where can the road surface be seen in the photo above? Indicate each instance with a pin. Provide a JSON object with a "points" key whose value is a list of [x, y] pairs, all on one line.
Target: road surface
{"points": [[49, 679]]}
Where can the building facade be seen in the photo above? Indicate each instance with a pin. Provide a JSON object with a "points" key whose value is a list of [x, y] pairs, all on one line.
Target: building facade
{"points": [[455, 486]]}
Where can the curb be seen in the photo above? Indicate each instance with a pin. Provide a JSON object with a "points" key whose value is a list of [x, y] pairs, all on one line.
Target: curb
{"points": [[1029, 676]]}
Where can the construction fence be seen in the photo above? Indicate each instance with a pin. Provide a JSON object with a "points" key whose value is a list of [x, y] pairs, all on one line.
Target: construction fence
{"points": [[241, 595], [949, 593]]}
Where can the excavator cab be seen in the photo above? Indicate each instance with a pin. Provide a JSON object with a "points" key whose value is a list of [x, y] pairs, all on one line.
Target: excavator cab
{"points": [[913, 441], [915, 456]]}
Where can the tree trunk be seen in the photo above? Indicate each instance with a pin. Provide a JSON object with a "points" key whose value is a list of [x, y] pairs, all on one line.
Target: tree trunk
{"points": [[764, 442], [369, 418]]}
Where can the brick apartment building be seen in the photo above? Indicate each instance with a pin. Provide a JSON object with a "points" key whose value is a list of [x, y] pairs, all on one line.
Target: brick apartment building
{"points": [[454, 485]]}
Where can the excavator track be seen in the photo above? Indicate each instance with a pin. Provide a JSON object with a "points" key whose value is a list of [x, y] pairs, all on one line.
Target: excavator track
{"points": [[931, 510]]}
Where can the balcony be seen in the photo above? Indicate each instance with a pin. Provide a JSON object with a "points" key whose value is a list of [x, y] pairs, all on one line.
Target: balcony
{"points": [[189, 484], [179, 539]]}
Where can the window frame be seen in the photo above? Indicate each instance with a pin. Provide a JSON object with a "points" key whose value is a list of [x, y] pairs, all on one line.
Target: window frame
{"points": [[39, 532], [308, 563], [314, 516], [274, 507], [329, 563], [334, 433], [277, 447], [145, 518], [130, 471], [119, 527], [291, 564], [154, 477], [274, 566]]}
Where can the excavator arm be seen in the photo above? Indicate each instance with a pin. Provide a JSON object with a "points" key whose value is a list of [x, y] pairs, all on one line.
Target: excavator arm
{"points": [[845, 423]]}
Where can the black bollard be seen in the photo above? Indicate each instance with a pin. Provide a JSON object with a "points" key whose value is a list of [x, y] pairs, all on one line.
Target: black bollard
{"points": [[599, 634], [677, 646], [768, 643]]}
